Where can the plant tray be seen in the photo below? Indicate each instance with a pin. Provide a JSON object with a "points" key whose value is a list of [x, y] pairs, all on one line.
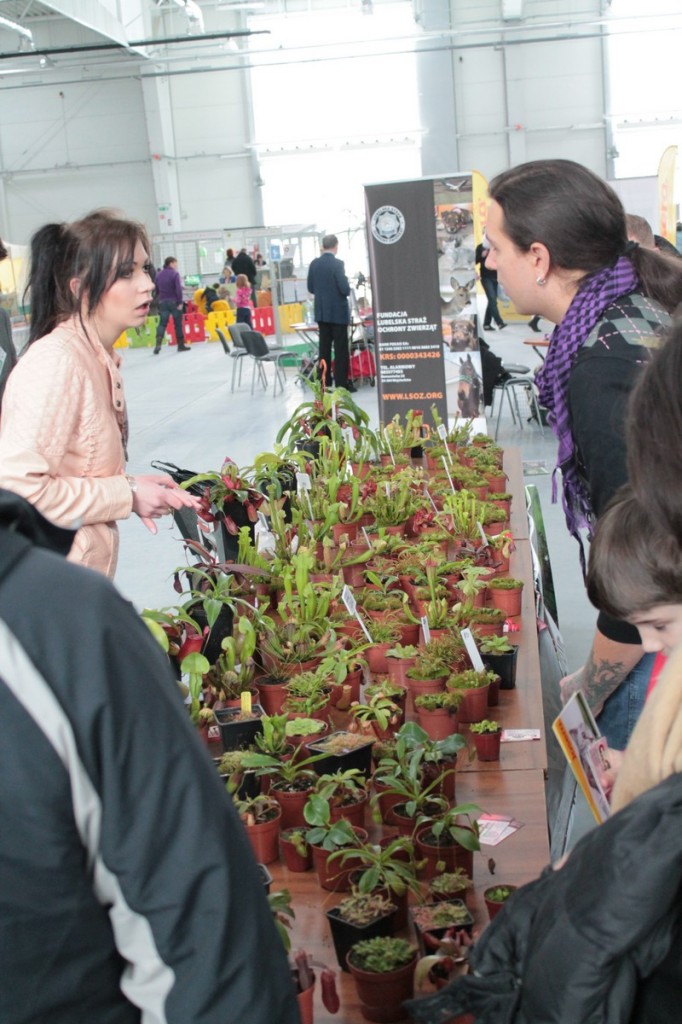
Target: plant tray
{"points": [[359, 757]]}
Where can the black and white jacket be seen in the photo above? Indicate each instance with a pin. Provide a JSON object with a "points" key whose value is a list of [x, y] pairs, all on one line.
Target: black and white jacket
{"points": [[128, 890]]}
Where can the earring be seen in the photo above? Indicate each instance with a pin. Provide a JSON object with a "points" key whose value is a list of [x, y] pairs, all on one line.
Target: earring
{"points": [[540, 281]]}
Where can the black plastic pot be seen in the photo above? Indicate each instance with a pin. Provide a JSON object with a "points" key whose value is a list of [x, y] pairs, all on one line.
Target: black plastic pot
{"points": [[238, 735], [359, 757], [438, 933], [503, 665], [221, 628], [345, 935]]}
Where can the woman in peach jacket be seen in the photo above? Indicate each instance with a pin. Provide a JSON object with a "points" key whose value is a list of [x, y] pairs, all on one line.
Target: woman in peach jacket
{"points": [[64, 425]]}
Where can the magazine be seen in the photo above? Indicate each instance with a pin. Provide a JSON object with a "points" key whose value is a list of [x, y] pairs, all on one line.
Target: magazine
{"points": [[586, 751]]}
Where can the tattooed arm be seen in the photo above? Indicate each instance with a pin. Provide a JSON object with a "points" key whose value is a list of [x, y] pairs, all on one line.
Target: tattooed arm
{"points": [[608, 664]]}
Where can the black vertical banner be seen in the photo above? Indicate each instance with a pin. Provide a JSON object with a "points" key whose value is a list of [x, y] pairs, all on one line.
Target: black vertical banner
{"points": [[403, 255]]}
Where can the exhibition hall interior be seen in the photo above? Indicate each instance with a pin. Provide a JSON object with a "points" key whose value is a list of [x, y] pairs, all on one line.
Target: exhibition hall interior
{"points": [[271, 127]]}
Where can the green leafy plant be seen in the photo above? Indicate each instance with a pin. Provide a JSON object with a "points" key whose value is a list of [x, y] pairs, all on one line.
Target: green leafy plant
{"points": [[485, 726], [323, 832], [505, 583], [449, 700], [382, 954], [361, 908], [388, 868], [450, 883]]}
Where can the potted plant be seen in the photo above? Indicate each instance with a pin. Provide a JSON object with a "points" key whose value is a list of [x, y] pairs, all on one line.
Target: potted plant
{"points": [[342, 750], [387, 867], [450, 885], [500, 657], [383, 971], [495, 896], [234, 670], [296, 852], [325, 837], [346, 794], [291, 783], [359, 916], [238, 728], [434, 921], [303, 977], [238, 780], [450, 841], [486, 736], [261, 816], [380, 715], [303, 731], [473, 686], [400, 659], [438, 712], [506, 593], [384, 635]]}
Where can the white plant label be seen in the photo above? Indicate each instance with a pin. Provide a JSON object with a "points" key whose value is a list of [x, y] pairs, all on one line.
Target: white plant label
{"points": [[303, 481], [366, 536], [388, 489], [442, 431], [445, 466], [334, 411], [483, 536], [348, 599], [472, 650], [428, 495], [263, 521], [426, 629]]}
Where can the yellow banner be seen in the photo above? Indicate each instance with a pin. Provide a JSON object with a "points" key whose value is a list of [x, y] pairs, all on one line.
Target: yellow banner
{"points": [[480, 203], [666, 183]]}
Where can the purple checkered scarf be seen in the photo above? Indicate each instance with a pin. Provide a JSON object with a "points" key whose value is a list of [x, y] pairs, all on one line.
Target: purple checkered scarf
{"points": [[594, 295]]}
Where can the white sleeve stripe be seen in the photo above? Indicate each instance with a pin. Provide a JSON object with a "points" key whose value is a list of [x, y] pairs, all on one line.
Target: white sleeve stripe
{"points": [[146, 980]]}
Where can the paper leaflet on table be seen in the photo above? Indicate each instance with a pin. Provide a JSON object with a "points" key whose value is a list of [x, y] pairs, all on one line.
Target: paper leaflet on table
{"points": [[577, 731], [496, 827]]}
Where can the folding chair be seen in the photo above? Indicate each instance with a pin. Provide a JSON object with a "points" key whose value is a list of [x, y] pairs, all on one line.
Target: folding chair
{"points": [[520, 379], [261, 353], [238, 350]]}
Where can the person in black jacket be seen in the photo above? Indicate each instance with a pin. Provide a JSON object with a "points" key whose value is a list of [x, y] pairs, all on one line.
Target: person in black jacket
{"points": [[128, 889], [243, 264], [559, 244], [327, 281]]}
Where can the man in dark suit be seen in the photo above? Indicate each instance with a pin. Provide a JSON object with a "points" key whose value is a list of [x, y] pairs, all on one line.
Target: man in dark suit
{"points": [[327, 281]]}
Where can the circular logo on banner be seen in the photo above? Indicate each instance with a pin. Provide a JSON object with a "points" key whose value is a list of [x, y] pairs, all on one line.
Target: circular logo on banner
{"points": [[388, 225]]}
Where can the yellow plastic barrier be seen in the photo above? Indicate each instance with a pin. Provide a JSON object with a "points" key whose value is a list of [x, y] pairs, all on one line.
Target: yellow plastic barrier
{"points": [[290, 314], [122, 341], [221, 318]]}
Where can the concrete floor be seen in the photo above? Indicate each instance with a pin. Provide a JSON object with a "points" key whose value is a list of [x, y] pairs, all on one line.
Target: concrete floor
{"points": [[182, 411]]}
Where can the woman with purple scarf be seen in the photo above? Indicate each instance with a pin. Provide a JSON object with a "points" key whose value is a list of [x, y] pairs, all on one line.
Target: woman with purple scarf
{"points": [[559, 245]]}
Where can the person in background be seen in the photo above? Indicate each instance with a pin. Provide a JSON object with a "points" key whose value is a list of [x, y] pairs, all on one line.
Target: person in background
{"points": [[64, 424], [534, 324], [8, 353], [328, 283], [128, 891], [243, 300], [243, 264], [169, 294], [640, 231], [559, 244], [227, 269], [489, 281]]}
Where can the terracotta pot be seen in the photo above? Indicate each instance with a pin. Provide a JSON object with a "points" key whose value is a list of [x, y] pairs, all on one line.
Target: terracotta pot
{"points": [[352, 682], [439, 723], [487, 745], [349, 529], [417, 687], [494, 693], [334, 877], [381, 995], [353, 575], [409, 633], [292, 858], [354, 813], [447, 787], [237, 702], [351, 627], [489, 628], [292, 803], [496, 484], [272, 696], [451, 856], [305, 1004], [376, 658], [509, 601], [264, 839], [398, 669], [493, 907], [474, 706], [434, 634]]}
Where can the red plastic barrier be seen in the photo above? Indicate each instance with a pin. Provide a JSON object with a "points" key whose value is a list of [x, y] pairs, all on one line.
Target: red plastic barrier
{"points": [[194, 327], [263, 320]]}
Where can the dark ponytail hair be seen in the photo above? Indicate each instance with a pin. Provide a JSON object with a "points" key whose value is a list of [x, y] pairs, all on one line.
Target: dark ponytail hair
{"points": [[581, 221], [654, 435], [96, 251], [3, 251]]}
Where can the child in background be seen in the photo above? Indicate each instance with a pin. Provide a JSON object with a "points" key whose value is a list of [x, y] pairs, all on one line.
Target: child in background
{"points": [[244, 304]]}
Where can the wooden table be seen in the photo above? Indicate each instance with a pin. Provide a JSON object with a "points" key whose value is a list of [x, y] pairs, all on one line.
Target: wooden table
{"points": [[513, 786], [537, 344]]}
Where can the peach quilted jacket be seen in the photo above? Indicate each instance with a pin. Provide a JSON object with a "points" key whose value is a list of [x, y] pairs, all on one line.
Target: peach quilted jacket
{"points": [[61, 445]]}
